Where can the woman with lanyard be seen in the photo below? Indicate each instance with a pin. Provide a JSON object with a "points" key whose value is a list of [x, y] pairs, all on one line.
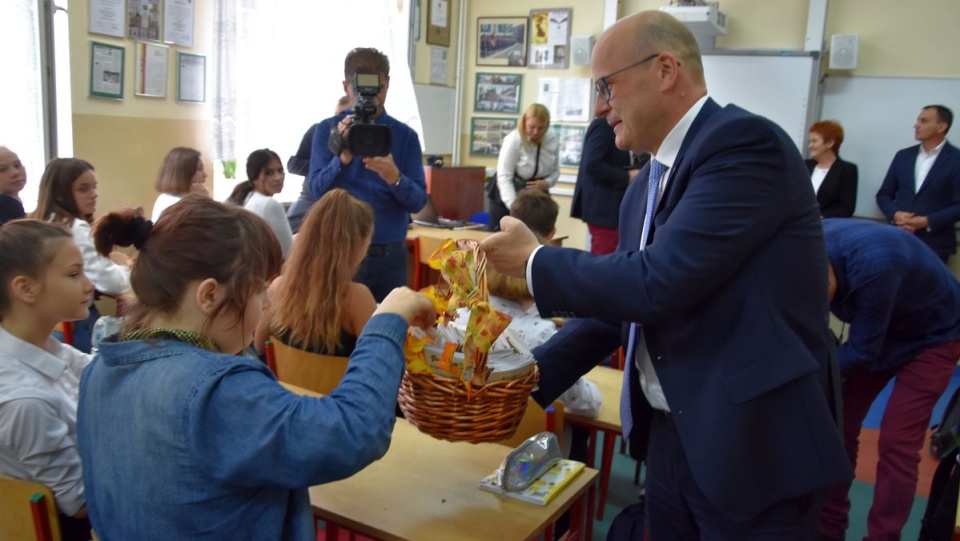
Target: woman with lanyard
{"points": [[529, 160]]}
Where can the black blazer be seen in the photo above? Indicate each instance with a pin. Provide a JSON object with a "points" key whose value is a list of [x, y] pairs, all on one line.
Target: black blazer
{"points": [[602, 179], [837, 195]]}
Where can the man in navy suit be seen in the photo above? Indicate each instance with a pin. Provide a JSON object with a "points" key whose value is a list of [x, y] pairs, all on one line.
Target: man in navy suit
{"points": [[921, 192], [723, 306]]}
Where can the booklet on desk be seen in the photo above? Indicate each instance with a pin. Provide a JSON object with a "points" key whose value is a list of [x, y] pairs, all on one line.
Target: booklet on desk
{"points": [[545, 488]]}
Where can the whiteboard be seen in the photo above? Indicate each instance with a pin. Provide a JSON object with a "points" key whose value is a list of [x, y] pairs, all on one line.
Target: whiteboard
{"points": [[877, 115], [780, 87], [436, 104]]}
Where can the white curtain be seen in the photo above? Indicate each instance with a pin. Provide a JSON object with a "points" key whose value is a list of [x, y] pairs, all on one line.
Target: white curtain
{"points": [[288, 71], [21, 101]]}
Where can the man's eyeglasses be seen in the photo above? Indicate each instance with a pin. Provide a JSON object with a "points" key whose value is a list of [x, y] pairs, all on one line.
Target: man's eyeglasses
{"points": [[603, 89]]}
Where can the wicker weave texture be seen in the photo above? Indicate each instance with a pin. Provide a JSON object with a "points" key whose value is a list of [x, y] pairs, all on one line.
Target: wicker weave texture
{"points": [[442, 408]]}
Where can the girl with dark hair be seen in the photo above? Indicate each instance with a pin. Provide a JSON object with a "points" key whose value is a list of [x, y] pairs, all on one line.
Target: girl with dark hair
{"points": [[179, 437], [181, 173], [41, 284], [68, 195], [264, 180], [327, 315]]}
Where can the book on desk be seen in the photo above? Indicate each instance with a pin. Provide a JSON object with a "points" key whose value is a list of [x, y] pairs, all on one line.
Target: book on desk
{"points": [[544, 488]]}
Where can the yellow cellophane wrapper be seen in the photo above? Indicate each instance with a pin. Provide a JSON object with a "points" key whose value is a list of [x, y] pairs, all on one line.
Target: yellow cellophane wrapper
{"points": [[463, 266]]}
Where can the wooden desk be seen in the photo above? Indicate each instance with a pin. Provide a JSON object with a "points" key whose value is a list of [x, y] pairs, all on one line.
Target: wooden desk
{"points": [[426, 489], [610, 383]]}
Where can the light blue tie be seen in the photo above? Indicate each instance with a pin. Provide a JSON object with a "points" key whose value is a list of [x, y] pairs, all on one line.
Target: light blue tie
{"points": [[653, 187]]}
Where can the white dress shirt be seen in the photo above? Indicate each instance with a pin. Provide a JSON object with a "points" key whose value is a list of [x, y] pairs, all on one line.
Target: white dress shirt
{"points": [[272, 212], [515, 159], [108, 277], [38, 416], [163, 201], [925, 161], [817, 176]]}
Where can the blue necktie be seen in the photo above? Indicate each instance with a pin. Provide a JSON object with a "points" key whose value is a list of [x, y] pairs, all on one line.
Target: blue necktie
{"points": [[653, 187]]}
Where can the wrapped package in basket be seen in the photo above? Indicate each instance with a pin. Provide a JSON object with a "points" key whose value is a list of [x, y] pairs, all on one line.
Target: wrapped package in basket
{"points": [[449, 383]]}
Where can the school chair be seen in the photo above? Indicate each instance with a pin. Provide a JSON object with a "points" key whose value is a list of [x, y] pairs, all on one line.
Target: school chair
{"points": [[313, 371], [28, 512], [66, 329]]}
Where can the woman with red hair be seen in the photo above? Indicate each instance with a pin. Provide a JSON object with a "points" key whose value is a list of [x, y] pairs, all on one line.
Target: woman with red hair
{"points": [[834, 180]]}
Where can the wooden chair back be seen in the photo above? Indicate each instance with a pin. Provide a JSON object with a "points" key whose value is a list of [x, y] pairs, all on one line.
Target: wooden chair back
{"points": [[28, 512], [536, 420], [313, 371]]}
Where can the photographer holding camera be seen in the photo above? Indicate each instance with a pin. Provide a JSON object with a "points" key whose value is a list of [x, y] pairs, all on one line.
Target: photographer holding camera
{"points": [[377, 159]]}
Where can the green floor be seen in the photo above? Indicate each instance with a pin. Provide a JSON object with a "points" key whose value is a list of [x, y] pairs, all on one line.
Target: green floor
{"points": [[623, 492]]}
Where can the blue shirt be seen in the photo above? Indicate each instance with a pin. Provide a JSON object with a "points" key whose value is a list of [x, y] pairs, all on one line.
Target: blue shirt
{"points": [[897, 295], [178, 442], [392, 205]]}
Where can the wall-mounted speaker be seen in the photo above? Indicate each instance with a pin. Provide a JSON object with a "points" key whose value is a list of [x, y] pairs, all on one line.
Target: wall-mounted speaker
{"points": [[582, 47], [843, 51]]}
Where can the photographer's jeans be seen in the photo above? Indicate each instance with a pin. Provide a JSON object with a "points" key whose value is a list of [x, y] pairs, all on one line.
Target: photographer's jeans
{"points": [[384, 268]]}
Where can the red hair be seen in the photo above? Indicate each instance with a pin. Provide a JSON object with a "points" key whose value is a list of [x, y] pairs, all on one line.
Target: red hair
{"points": [[831, 131]]}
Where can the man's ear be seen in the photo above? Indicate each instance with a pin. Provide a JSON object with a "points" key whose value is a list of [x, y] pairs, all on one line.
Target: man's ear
{"points": [[209, 295], [552, 233], [25, 289], [347, 88]]}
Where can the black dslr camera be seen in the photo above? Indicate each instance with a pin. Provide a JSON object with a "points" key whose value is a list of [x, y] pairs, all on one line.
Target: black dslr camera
{"points": [[363, 138]]}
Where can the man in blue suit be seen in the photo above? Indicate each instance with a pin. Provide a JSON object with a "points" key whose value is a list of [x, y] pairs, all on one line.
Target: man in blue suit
{"points": [[921, 192], [720, 295]]}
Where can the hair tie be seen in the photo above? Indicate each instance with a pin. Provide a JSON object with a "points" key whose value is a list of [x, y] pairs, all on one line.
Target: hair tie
{"points": [[140, 231]]}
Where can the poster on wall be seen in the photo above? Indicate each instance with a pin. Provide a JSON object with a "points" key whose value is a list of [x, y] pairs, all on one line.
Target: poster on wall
{"points": [[143, 19], [498, 93], [106, 71], [178, 22], [549, 38], [152, 68], [567, 98], [106, 17]]}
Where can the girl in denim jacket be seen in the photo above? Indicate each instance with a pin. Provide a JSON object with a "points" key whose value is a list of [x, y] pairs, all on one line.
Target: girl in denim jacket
{"points": [[182, 439]]}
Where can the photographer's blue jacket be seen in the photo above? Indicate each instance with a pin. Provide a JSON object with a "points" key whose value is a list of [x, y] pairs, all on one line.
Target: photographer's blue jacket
{"points": [[392, 206]]}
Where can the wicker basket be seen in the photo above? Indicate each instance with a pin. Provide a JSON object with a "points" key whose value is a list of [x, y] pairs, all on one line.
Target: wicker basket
{"points": [[442, 407]]}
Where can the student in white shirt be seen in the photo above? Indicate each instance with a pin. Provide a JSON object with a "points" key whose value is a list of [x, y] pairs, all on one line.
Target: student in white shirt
{"points": [[265, 177], [68, 195], [41, 284], [181, 173]]}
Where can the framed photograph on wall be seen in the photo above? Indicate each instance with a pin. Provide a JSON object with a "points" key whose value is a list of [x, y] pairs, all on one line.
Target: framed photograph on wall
{"points": [[498, 93], [501, 41], [570, 138], [550, 38], [486, 135], [143, 19]]}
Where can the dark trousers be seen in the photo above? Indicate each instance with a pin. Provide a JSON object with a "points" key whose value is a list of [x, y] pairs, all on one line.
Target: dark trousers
{"points": [[74, 529], [497, 210], [906, 417], [676, 509], [384, 269]]}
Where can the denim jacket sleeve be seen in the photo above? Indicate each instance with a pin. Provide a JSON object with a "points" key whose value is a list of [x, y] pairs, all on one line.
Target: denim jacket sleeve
{"points": [[247, 430]]}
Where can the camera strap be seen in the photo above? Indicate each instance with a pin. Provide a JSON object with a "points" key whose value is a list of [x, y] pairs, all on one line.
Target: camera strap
{"points": [[536, 164]]}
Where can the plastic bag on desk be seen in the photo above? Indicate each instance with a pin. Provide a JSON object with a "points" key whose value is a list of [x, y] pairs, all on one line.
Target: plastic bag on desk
{"points": [[528, 461]]}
